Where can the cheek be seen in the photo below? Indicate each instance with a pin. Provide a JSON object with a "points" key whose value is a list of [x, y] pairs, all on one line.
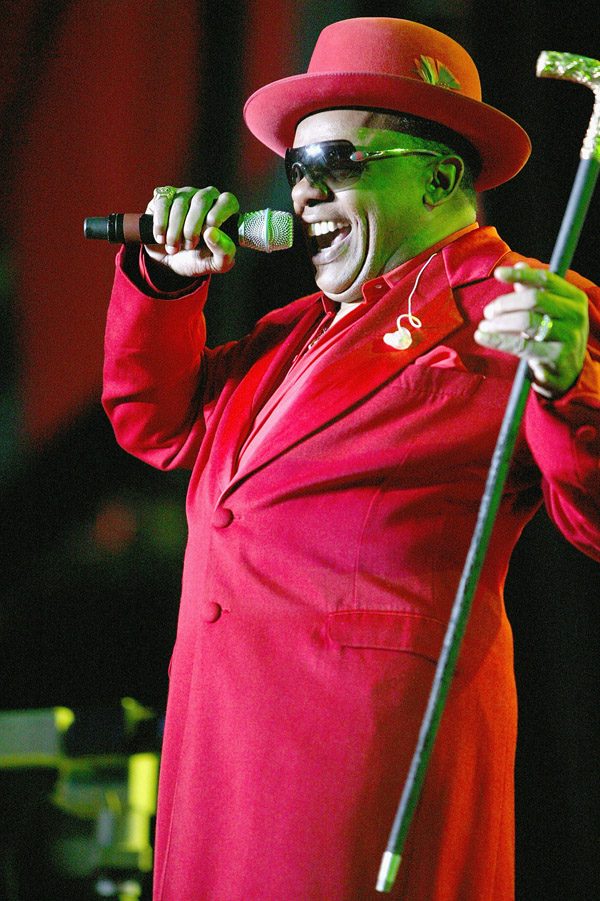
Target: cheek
{"points": [[361, 247], [392, 224], [376, 231]]}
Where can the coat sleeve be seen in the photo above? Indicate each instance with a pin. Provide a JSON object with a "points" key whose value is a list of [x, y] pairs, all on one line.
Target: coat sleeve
{"points": [[564, 437], [159, 378]]}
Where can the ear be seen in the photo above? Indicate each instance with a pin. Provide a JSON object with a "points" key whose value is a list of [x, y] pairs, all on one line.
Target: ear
{"points": [[445, 176]]}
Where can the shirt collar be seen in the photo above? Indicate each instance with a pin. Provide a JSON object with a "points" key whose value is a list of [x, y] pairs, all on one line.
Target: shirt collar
{"points": [[377, 287]]}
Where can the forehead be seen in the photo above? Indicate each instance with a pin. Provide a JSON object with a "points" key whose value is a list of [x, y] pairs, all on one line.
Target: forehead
{"points": [[337, 124]]}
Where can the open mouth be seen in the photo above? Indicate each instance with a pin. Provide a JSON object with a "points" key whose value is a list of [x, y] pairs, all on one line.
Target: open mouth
{"points": [[327, 233]]}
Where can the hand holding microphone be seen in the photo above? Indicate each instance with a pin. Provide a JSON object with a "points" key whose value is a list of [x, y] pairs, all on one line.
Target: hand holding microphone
{"points": [[181, 218], [194, 231]]}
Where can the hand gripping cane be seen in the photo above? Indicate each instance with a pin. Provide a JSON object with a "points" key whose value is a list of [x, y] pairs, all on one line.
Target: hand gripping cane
{"points": [[550, 65]]}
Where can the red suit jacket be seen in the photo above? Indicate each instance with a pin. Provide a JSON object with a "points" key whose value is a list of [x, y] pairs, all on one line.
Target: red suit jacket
{"points": [[318, 580]]}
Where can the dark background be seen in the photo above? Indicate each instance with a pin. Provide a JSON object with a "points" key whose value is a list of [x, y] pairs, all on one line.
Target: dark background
{"points": [[100, 103]]}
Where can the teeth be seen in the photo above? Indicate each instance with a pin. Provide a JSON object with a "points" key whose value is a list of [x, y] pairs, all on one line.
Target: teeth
{"points": [[322, 228]]}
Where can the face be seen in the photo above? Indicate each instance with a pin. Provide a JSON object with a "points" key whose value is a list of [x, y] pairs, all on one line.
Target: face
{"points": [[371, 227]]}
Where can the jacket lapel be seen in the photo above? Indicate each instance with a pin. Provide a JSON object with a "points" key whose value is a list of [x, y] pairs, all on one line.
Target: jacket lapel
{"points": [[359, 362], [260, 381]]}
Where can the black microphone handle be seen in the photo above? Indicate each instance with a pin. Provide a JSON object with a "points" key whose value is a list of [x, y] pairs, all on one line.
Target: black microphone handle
{"points": [[136, 228]]}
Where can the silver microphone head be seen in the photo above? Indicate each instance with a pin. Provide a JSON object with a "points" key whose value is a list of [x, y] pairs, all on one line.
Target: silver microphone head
{"points": [[266, 230]]}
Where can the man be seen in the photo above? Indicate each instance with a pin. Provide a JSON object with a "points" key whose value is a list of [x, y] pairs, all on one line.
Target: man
{"points": [[338, 457]]}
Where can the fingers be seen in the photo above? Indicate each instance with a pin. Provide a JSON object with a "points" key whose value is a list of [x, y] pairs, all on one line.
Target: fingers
{"points": [[537, 293], [188, 219], [521, 345], [544, 320], [555, 366], [159, 206], [523, 276], [524, 322], [180, 217], [171, 224], [221, 249]]}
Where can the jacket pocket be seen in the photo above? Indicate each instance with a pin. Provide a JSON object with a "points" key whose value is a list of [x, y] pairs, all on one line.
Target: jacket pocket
{"points": [[387, 630], [439, 381]]}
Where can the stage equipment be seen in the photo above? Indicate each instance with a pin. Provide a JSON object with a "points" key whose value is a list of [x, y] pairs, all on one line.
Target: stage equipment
{"points": [[106, 764]]}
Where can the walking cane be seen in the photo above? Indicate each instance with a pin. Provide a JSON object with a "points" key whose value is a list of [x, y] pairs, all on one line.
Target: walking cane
{"points": [[550, 65]]}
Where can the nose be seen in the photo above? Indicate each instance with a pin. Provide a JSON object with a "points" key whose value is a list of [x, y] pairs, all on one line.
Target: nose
{"points": [[308, 193]]}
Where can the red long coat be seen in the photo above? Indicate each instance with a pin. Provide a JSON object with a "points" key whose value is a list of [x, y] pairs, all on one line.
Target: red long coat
{"points": [[318, 581]]}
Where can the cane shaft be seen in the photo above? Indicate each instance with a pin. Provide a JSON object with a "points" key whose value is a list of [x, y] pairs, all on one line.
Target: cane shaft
{"points": [[575, 213]]}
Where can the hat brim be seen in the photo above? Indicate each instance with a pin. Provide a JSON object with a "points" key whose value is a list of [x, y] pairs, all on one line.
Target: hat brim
{"points": [[273, 112]]}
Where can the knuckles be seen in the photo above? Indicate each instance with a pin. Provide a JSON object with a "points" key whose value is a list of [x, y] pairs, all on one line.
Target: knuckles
{"points": [[201, 195]]}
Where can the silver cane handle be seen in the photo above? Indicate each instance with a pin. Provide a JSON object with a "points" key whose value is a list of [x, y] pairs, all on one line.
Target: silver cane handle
{"points": [[581, 69]]}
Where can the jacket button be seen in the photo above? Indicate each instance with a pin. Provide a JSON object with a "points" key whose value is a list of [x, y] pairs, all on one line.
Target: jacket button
{"points": [[586, 433], [222, 517], [211, 612]]}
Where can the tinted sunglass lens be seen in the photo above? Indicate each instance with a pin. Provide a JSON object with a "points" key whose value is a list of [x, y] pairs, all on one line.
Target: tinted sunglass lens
{"points": [[328, 163], [343, 176], [342, 171], [295, 174]]}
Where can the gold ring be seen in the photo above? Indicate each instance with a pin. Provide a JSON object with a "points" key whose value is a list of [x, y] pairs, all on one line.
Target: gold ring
{"points": [[168, 192], [543, 329]]}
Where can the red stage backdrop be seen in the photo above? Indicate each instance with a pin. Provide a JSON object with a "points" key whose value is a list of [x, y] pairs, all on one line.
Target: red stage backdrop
{"points": [[109, 114], [273, 30]]}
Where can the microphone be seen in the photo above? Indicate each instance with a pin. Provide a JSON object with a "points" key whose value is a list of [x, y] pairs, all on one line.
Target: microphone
{"points": [[264, 230]]}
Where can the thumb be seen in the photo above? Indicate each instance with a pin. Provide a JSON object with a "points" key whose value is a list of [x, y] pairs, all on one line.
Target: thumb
{"points": [[222, 250]]}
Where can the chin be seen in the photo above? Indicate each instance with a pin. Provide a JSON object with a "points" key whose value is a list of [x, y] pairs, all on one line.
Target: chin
{"points": [[339, 286], [339, 293]]}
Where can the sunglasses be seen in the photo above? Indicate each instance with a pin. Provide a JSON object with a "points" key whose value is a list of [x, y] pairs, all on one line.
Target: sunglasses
{"points": [[337, 164]]}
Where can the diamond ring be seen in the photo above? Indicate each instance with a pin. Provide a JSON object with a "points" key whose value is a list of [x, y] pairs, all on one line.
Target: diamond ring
{"points": [[168, 192], [543, 329]]}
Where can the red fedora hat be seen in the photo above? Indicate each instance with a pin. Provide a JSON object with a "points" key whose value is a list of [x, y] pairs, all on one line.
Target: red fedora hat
{"points": [[397, 65]]}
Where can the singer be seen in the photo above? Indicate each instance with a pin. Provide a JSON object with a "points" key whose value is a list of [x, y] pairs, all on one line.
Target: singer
{"points": [[338, 454]]}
